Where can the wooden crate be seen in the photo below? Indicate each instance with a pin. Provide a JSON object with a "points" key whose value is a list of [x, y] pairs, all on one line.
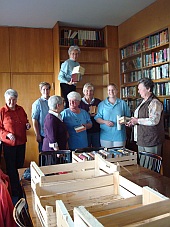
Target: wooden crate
{"points": [[70, 171], [134, 211], [87, 192], [101, 196], [124, 160]]}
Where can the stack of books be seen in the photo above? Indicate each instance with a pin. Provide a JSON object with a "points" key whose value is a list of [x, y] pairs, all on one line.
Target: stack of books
{"points": [[77, 73]]}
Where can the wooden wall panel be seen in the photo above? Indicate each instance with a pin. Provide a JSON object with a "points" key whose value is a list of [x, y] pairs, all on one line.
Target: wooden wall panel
{"points": [[111, 42], [31, 50], [27, 86], [4, 85], [4, 50], [56, 58], [151, 19]]}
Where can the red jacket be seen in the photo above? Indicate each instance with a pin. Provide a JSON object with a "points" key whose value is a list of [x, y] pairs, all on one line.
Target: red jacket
{"points": [[13, 121], [6, 205]]}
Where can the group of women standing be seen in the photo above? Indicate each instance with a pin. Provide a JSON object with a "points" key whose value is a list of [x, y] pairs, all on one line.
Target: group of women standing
{"points": [[81, 122]]}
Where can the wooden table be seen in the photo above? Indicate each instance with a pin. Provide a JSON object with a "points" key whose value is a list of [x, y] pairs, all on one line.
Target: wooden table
{"points": [[135, 173]]}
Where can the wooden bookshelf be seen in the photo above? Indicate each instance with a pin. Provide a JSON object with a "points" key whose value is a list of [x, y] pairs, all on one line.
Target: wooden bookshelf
{"points": [[147, 57], [95, 46]]}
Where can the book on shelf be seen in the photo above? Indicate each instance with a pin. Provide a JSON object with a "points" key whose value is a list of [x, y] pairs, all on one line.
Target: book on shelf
{"points": [[155, 40], [73, 35], [166, 106], [162, 88]]}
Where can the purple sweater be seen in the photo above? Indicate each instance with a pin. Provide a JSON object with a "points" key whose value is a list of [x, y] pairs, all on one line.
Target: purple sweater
{"points": [[55, 131], [95, 127]]}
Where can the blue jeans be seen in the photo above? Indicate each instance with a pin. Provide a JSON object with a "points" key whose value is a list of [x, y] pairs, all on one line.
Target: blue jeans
{"points": [[93, 139]]}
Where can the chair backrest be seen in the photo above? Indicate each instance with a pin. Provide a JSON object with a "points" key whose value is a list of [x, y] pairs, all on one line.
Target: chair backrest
{"points": [[21, 214], [55, 157], [150, 160]]}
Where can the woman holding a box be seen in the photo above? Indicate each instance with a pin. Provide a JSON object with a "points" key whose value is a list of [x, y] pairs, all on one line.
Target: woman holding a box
{"points": [[77, 121], [65, 75], [112, 134], [90, 104]]}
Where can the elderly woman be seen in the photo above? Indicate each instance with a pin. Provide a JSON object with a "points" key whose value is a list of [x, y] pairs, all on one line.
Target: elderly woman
{"points": [[66, 83], [55, 130], [13, 126], [90, 104], [77, 121], [148, 119], [108, 111]]}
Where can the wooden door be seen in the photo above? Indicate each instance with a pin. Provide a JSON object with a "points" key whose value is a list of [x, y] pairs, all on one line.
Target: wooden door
{"points": [[27, 86], [4, 85]]}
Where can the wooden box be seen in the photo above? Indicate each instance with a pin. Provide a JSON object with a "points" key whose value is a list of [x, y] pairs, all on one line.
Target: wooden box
{"points": [[70, 171], [87, 192], [125, 158], [140, 210]]}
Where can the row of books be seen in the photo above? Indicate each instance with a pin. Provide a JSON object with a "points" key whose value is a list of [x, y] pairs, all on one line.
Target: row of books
{"points": [[132, 64], [156, 57], [81, 37], [81, 42], [133, 104], [129, 92], [155, 40], [131, 50], [162, 88], [154, 73], [149, 42], [132, 76], [158, 72]]}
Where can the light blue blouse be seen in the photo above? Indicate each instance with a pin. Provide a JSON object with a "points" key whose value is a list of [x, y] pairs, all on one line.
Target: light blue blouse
{"points": [[39, 111], [108, 111], [76, 140], [66, 70]]}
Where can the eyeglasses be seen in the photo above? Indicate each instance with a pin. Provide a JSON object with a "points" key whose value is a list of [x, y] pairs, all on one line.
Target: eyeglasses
{"points": [[73, 100]]}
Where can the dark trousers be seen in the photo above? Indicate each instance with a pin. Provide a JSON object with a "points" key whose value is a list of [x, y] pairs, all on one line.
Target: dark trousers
{"points": [[40, 144], [14, 158], [66, 88]]}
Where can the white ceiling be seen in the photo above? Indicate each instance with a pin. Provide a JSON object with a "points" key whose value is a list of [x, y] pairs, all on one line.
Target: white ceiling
{"points": [[87, 13]]}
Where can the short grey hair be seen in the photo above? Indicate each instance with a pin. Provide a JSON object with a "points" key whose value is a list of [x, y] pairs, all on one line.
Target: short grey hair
{"points": [[73, 48], [147, 82], [53, 101], [11, 93], [74, 95], [87, 85], [42, 84]]}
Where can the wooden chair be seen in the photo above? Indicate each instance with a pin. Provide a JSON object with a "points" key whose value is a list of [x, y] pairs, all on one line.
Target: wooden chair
{"points": [[150, 161], [52, 157], [21, 214]]}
